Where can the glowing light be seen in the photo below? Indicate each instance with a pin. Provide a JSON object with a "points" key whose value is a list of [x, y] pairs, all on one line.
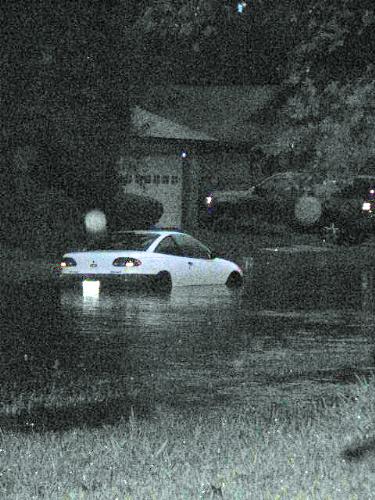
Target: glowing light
{"points": [[208, 200], [95, 221], [308, 210], [366, 206], [184, 154], [241, 6], [90, 288]]}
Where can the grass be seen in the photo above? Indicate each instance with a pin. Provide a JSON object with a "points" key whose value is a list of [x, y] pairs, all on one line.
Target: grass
{"points": [[317, 453]]}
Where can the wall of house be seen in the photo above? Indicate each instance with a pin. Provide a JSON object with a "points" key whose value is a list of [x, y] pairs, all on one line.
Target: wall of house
{"points": [[156, 176]]}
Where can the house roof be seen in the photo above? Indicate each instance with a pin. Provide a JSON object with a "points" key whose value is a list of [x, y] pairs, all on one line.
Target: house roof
{"points": [[150, 124], [215, 113]]}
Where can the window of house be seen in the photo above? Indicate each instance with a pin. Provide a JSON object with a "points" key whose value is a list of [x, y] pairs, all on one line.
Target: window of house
{"points": [[165, 179], [147, 179], [127, 178], [156, 179], [174, 179]]}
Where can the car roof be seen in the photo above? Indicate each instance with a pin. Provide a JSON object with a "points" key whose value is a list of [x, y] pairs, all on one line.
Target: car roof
{"points": [[149, 231], [305, 173]]}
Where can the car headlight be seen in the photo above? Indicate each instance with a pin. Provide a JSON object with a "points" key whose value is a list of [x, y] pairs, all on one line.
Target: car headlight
{"points": [[366, 206]]}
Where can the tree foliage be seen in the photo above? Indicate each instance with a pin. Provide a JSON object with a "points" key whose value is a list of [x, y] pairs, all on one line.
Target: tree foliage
{"points": [[64, 108], [60, 99], [212, 42], [331, 86]]}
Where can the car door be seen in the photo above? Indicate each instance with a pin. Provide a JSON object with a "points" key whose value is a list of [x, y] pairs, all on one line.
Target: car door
{"points": [[174, 261], [277, 197], [203, 270]]}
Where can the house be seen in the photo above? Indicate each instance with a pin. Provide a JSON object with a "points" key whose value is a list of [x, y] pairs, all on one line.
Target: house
{"points": [[187, 140]]}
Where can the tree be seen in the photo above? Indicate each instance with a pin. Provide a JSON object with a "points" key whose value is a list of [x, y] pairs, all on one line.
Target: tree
{"points": [[62, 94], [64, 104], [211, 42], [331, 86]]}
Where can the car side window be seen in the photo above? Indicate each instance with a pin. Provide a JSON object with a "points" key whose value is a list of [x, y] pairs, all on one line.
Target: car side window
{"points": [[169, 247], [281, 184], [191, 247]]}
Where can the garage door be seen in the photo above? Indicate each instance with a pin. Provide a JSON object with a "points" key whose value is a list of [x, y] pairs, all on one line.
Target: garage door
{"points": [[159, 177]]}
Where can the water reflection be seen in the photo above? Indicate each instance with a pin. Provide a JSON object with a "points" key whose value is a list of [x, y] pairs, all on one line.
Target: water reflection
{"points": [[153, 309], [91, 290], [302, 320], [51, 375], [32, 342]]}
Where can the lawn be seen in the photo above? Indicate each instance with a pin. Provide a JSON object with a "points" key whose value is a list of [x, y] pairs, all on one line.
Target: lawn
{"points": [[322, 452]]}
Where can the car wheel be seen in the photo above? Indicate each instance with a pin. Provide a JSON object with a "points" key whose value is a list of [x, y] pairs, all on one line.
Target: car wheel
{"points": [[340, 234], [163, 282], [234, 280]]}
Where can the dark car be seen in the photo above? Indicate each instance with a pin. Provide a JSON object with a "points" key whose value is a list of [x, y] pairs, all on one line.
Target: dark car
{"points": [[348, 215], [338, 209]]}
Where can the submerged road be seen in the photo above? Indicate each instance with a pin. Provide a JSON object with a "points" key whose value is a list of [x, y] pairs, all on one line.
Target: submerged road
{"points": [[303, 323]]}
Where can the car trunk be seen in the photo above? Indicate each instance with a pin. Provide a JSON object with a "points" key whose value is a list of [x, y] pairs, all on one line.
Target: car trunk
{"points": [[99, 262]]}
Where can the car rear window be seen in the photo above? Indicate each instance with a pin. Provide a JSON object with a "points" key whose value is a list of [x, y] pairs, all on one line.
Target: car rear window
{"points": [[130, 241]]}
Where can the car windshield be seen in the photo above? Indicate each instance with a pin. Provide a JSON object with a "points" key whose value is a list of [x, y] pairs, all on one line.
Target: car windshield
{"points": [[358, 188], [285, 181], [129, 241]]}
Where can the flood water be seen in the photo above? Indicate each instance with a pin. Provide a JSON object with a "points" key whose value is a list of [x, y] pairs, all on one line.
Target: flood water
{"points": [[303, 322]]}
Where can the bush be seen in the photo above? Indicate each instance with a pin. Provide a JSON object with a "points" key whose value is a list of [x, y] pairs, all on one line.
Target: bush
{"points": [[45, 221], [131, 211]]}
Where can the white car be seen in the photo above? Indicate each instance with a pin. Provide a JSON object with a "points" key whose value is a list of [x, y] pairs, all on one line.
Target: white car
{"points": [[159, 257]]}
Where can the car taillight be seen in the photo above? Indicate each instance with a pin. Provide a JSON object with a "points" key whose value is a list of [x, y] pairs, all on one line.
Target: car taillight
{"points": [[126, 262], [67, 262]]}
